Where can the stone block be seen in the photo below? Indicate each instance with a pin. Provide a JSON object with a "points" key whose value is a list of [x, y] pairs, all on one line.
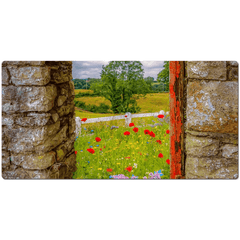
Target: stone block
{"points": [[233, 74], [53, 141], [70, 161], [29, 75], [65, 110], [5, 159], [234, 63], [211, 168], [72, 125], [207, 70], [7, 119], [38, 174], [230, 151], [58, 171], [212, 106], [54, 115], [61, 75], [15, 173], [63, 149], [64, 92], [34, 161], [61, 100], [5, 76], [201, 146], [4, 139], [23, 140], [71, 89], [28, 98], [33, 119]]}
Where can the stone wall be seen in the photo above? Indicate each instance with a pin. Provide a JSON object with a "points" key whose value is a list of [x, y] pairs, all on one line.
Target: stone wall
{"points": [[211, 128], [38, 120]]}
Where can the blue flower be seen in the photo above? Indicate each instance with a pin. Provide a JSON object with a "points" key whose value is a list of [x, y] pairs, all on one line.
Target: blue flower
{"points": [[88, 142], [97, 145], [110, 177], [90, 146], [88, 162], [91, 130], [81, 150], [85, 129], [147, 142]]}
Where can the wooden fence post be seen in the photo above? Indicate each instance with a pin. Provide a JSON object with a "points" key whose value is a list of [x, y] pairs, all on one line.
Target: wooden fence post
{"points": [[78, 126], [176, 70], [128, 119]]}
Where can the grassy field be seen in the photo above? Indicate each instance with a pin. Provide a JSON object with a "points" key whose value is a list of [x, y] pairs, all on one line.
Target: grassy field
{"points": [[120, 156], [137, 155], [153, 102]]}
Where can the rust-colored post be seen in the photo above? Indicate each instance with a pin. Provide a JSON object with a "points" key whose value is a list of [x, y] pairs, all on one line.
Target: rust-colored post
{"points": [[176, 69]]}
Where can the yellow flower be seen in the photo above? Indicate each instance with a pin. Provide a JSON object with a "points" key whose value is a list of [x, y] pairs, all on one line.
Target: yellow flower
{"points": [[99, 168], [118, 163], [90, 167], [137, 148]]}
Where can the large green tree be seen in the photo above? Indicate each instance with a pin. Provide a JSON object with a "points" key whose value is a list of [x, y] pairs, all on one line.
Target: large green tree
{"points": [[121, 83], [163, 76]]}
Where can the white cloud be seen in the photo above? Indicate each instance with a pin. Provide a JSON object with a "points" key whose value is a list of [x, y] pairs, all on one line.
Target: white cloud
{"points": [[92, 69]]}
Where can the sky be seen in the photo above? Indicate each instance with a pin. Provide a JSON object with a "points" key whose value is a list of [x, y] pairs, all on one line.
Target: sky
{"points": [[92, 69]]}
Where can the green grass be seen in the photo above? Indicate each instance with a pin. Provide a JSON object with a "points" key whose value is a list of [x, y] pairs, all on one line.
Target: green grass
{"points": [[122, 151]]}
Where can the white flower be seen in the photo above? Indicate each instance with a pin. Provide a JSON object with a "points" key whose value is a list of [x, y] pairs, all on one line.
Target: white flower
{"points": [[135, 165]]}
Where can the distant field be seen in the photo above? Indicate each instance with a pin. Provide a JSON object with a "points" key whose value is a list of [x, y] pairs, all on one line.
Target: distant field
{"points": [[83, 90], [153, 102]]}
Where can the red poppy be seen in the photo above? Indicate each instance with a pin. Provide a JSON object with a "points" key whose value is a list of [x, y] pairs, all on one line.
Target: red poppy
{"points": [[168, 161], [167, 131], [84, 119], [131, 124], [129, 168], [104, 147], [146, 131], [135, 129], [127, 157], [91, 150], [100, 149], [75, 152], [109, 170], [125, 115], [140, 153], [160, 155], [126, 133], [98, 139], [160, 116], [152, 134], [159, 141]]}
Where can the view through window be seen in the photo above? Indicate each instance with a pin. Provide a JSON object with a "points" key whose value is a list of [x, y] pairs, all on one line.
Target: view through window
{"points": [[122, 110]]}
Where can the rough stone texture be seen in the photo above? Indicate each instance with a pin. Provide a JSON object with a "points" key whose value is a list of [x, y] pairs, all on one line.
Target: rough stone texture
{"points": [[233, 74], [230, 151], [25, 99], [5, 159], [33, 131], [212, 106], [34, 161], [199, 146], [5, 76], [211, 132], [61, 100], [213, 167], [29, 75], [208, 70]]}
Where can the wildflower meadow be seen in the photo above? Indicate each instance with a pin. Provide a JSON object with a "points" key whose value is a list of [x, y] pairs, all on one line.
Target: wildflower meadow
{"points": [[139, 151]]}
